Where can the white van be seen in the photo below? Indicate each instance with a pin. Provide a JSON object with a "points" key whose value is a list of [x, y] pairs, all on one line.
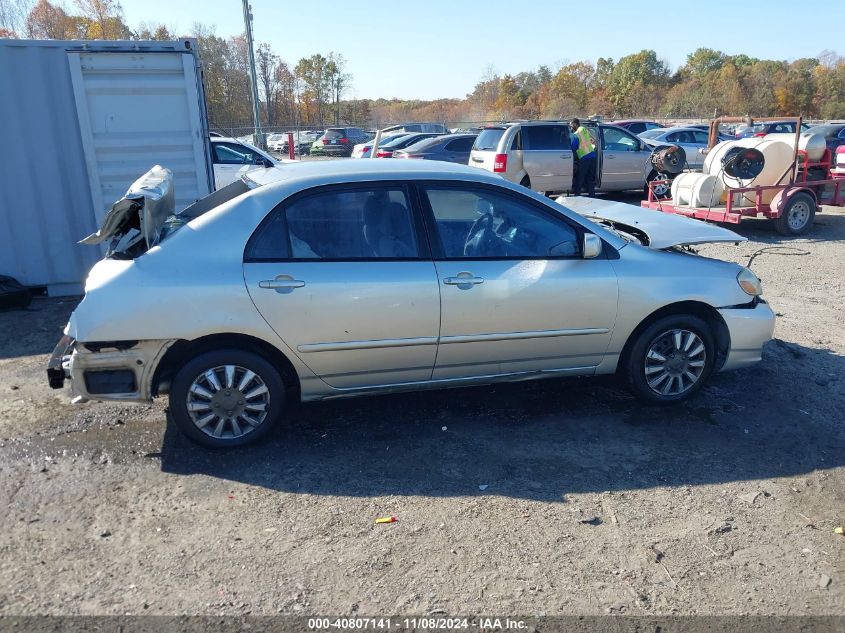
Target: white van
{"points": [[538, 155]]}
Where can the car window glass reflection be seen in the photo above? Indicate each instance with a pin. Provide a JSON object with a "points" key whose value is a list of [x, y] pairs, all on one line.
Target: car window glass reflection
{"points": [[481, 223]]}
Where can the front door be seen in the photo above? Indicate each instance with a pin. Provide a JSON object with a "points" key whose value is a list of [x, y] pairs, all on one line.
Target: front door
{"points": [[343, 277], [623, 160], [231, 161], [516, 294]]}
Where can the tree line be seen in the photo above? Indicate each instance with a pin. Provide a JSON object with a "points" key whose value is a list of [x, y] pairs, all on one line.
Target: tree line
{"points": [[311, 91]]}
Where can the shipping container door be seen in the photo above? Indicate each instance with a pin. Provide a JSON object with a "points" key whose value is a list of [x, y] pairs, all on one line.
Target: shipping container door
{"points": [[137, 110]]}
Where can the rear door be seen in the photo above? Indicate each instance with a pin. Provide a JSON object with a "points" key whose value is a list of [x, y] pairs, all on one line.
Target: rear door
{"points": [[547, 156], [344, 277], [623, 160]]}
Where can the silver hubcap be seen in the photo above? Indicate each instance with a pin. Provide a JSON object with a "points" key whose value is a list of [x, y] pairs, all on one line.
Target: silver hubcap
{"points": [[674, 362], [798, 216], [660, 190], [228, 402]]}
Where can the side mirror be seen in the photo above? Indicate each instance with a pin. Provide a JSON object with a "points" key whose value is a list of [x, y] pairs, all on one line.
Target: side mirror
{"points": [[592, 246]]}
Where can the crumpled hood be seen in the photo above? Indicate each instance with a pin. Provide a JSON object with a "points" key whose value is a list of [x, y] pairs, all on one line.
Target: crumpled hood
{"points": [[134, 222], [662, 230]]}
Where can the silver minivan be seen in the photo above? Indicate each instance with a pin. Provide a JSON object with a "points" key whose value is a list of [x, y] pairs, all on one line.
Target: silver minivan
{"points": [[538, 155]]}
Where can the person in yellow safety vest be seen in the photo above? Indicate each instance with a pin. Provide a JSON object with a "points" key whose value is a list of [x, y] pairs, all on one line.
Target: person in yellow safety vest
{"points": [[585, 159]]}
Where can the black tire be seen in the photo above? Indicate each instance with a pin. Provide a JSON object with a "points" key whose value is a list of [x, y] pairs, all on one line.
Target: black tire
{"points": [[525, 182], [636, 363], [797, 216], [267, 376], [663, 195]]}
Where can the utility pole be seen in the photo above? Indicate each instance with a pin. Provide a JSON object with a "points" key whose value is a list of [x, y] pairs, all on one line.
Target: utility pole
{"points": [[258, 137]]}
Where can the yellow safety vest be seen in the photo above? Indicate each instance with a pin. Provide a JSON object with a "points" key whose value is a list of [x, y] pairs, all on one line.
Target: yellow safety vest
{"points": [[585, 142]]}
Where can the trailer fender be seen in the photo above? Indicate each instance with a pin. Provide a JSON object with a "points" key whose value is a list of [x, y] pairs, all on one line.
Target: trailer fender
{"points": [[782, 197]]}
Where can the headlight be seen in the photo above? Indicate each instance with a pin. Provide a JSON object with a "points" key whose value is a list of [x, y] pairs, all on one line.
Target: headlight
{"points": [[749, 282]]}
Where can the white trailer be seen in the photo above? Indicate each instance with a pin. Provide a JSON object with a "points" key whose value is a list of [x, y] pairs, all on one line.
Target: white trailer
{"points": [[81, 120]]}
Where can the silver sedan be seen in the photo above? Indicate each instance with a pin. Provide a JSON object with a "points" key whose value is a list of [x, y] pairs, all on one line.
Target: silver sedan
{"points": [[332, 279]]}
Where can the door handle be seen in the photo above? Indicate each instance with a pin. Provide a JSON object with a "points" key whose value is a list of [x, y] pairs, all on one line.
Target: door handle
{"points": [[609, 156], [460, 281], [282, 283], [567, 155]]}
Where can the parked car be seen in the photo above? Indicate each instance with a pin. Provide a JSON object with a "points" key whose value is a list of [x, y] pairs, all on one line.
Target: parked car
{"points": [[274, 142], [232, 159], [338, 141], [437, 128], [538, 155], [770, 127], [385, 150], [637, 126], [452, 148], [362, 150], [834, 135], [331, 279], [689, 138], [302, 142]]}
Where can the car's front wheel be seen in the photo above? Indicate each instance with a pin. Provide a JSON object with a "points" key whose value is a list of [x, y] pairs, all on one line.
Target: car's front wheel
{"points": [[227, 398], [670, 359]]}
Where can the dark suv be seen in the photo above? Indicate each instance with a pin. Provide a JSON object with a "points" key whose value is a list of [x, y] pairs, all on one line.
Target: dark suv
{"points": [[338, 141]]}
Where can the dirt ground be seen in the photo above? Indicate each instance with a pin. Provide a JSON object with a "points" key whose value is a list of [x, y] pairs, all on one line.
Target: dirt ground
{"points": [[552, 497]]}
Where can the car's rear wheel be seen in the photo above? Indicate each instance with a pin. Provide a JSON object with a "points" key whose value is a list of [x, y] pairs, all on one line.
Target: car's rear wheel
{"points": [[797, 216], [671, 359], [227, 398]]}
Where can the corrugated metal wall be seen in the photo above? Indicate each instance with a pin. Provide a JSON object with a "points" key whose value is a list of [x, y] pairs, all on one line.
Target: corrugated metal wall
{"points": [[47, 203]]}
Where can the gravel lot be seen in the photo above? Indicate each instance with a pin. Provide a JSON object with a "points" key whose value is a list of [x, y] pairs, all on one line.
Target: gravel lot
{"points": [[559, 496]]}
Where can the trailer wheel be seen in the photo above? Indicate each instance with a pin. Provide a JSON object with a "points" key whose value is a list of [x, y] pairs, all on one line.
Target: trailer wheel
{"points": [[797, 216]]}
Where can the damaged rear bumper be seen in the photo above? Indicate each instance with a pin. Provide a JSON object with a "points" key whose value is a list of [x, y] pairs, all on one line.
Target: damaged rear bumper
{"points": [[112, 370]]}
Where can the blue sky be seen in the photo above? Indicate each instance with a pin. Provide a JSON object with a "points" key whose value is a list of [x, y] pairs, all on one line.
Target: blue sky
{"points": [[440, 48]]}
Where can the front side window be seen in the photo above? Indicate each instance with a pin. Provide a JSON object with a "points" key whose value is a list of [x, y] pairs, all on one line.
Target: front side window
{"points": [[228, 155], [338, 224], [700, 137], [619, 140], [482, 223]]}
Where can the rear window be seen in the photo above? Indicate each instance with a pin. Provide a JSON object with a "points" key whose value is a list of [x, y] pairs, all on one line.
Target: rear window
{"points": [[335, 133], [488, 139]]}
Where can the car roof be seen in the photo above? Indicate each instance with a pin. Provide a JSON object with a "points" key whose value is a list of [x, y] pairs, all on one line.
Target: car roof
{"points": [[315, 173]]}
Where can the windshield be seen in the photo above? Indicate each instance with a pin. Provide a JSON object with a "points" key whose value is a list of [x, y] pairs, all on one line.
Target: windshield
{"points": [[488, 139]]}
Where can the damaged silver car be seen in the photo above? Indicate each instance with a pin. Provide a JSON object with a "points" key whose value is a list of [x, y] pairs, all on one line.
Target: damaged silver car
{"points": [[334, 279]]}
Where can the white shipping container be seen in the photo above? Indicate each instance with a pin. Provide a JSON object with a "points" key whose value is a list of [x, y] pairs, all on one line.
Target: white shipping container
{"points": [[81, 121]]}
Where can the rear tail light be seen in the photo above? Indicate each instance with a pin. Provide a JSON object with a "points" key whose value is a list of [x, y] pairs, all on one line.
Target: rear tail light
{"points": [[759, 134], [325, 141], [344, 140], [500, 163], [384, 153]]}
